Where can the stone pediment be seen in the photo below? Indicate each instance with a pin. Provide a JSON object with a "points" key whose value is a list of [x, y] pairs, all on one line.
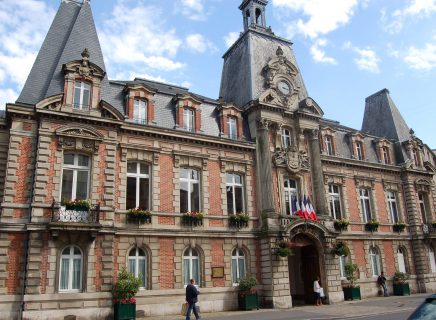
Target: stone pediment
{"points": [[51, 103], [309, 105], [108, 111], [79, 132], [84, 67]]}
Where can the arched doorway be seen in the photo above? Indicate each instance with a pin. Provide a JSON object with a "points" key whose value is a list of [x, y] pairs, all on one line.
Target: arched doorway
{"points": [[304, 266]]}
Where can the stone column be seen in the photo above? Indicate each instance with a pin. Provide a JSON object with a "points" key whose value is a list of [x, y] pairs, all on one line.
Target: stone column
{"points": [[317, 175], [264, 169], [418, 248]]}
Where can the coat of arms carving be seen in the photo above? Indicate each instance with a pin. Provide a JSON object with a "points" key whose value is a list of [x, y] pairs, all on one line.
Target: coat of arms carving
{"points": [[294, 160]]}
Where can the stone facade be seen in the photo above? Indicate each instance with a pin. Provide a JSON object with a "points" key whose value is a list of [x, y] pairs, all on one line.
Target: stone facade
{"points": [[266, 131]]}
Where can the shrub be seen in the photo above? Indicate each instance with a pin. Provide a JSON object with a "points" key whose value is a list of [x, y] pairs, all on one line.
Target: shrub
{"points": [[284, 248], [246, 285], [400, 277], [350, 273], [126, 287], [239, 217]]}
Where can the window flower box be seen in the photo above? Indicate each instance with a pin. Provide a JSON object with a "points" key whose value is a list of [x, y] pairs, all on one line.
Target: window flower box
{"points": [[399, 227], [341, 224], [192, 219], [239, 220], [138, 216], [372, 225], [77, 205]]}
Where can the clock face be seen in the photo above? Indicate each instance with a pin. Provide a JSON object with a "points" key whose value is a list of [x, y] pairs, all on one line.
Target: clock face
{"points": [[284, 87]]}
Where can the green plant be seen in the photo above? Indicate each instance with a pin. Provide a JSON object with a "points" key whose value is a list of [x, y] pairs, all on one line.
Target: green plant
{"points": [[193, 215], [372, 225], [85, 203], [341, 224], [239, 217], [139, 213], [400, 277], [284, 248], [246, 284], [350, 274], [126, 287], [341, 249], [433, 224], [399, 226]]}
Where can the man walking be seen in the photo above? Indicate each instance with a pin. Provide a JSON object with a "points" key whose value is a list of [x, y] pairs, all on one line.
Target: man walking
{"points": [[382, 282], [192, 298]]}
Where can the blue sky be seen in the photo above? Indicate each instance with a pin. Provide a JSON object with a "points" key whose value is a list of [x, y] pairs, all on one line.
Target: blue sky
{"points": [[346, 49]]}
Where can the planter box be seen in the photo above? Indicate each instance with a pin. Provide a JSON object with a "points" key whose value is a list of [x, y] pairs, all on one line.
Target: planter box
{"points": [[352, 293], [136, 219], [372, 228], [238, 224], [124, 311], [248, 302], [191, 221], [401, 289], [76, 208]]}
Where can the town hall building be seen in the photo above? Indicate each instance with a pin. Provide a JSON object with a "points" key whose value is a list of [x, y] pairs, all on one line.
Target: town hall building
{"points": [[216, 181]]}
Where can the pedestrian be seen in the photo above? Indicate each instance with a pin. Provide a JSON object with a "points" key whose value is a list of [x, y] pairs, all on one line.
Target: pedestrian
{"points": [[192, 298], [381, 280], [316, 291]]}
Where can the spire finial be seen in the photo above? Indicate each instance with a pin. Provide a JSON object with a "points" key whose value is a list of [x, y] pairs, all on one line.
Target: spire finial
{"points": [[279, 51]]}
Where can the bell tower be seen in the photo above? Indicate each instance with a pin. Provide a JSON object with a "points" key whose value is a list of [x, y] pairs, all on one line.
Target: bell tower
{"points": [[253, 12]]}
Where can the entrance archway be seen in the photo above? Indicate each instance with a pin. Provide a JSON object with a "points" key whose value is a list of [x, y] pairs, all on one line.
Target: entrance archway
{"points": [[304, 266]]}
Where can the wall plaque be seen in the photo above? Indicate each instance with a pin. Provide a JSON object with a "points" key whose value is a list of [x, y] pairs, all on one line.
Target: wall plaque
{"points": [[217, 272]]}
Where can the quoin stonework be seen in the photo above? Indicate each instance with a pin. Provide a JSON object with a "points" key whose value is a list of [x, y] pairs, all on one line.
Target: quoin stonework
{"points": [[196, 167]]}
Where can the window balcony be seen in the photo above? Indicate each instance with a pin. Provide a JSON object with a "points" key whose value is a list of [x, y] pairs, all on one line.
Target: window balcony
{"points": [[79, 215]]}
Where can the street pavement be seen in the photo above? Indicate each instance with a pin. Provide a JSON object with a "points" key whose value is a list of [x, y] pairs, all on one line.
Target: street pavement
{"points": [[394, 307]]}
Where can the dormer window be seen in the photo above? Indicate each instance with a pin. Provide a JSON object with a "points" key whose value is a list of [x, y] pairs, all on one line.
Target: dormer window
{"points": [[188, 119], [385, 155], [328, 141], [359, 150], [232, 128], [82, 94], [286, 138], [140, 111]]}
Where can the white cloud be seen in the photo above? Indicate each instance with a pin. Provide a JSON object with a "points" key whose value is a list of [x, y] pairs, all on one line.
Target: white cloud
{"points": [[186, 84], [198, 43], [318, 54], [23, 25], [416, 9], [231, 38], [139, 39], [367, 59], [421, 59], [7, 96], [323, 16], [193, 9]]}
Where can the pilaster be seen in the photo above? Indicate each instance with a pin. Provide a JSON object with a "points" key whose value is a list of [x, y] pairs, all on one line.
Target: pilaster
{"points": [[317, 175]]}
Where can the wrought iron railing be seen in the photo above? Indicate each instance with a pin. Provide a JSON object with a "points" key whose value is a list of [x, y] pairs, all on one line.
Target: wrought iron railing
{"points": [[428, 228], [61, 214]]}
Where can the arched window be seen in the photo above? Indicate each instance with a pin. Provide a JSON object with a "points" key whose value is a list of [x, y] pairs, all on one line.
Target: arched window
{"points": [[191, 266], [432, 260], [138, 186], [235, 193], [342, 262], [189, 190], [291, 195], [238, 265], [374, 258], [82, 94], [258, 17], [75, 177], [138, 265], [70, 276], [401, 260]]}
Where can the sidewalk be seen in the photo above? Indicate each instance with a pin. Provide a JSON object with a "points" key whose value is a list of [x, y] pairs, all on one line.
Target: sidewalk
{"points": [[341, 310]]}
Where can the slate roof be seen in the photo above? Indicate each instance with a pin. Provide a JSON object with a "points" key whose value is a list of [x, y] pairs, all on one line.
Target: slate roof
{"points": [[72, 31]]}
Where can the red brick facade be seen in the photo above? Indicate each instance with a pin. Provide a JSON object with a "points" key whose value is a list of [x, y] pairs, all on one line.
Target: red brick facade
{"points": [[167, 267]]}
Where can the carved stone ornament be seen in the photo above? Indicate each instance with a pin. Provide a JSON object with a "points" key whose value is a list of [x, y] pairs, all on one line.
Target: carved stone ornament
{"points": [[293, 160], [263, 124]]}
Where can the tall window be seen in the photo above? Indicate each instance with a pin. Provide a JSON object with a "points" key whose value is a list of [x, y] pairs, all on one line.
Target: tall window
{"points": [[232, 127], [138, 265], [342, 262], [138, 186], [432, 260], [328, 141], [82, 94], [70, 276], [189, 190], [375, 261], [140, 111], [422, 206], [75, 176], [188, 119], [235, 193], [359, 150], [291, 195], [385, 155], [286, 138], [365, 204], [238, 265], [392, 201], [191, 266], [335, 201], [401, 260]]}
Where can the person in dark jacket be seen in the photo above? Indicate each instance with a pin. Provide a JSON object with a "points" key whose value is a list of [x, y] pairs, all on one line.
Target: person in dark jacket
{"points": [[192, 298], [381, 280]]}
